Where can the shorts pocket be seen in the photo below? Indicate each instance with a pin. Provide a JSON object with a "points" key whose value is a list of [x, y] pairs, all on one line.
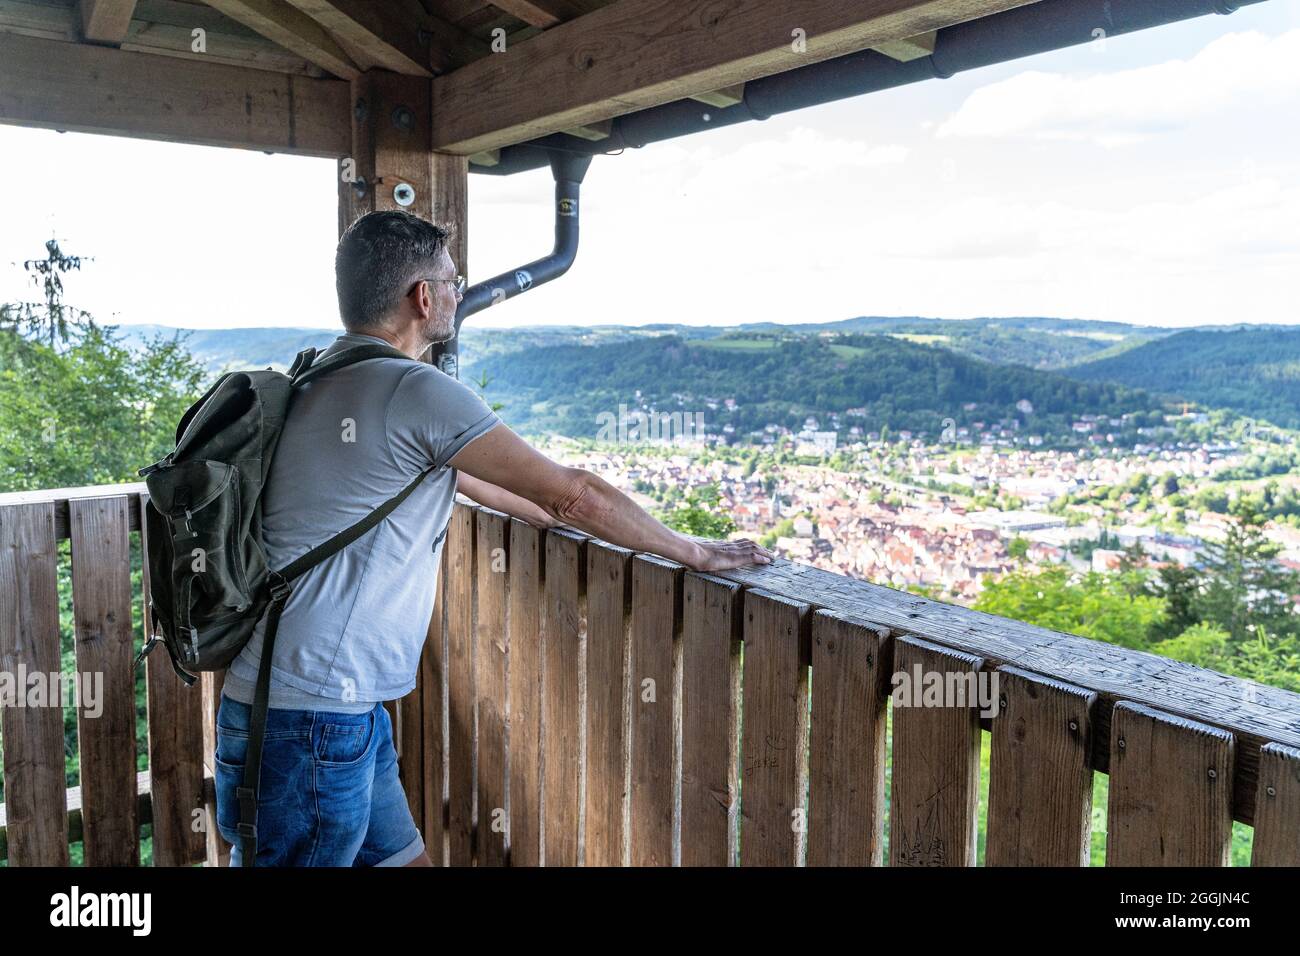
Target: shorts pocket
{"points": [[232, 746], [342, 744]]}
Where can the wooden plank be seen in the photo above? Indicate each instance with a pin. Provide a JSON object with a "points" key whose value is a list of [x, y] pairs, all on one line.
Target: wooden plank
{"points": [[527, 553], [935, 784], [458, 559], [386, 32], [94, 89], [710, 683], [292, 29], [1170, 798], [1277, 817], [683, 48], [1255, 713], [851, 664], [562, 627], [656, 615], [773, 730], [609, 603], [409, 729], [101, 612], [106, 21], [76, 828], [175, 716], [60, 497], [1037, 818], [36, 818], [493, 538], [216, 849], [432, 698], [908, 48]]}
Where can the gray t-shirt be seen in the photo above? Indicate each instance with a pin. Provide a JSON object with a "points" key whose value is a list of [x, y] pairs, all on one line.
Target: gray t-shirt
{"points": [[354, 626]]}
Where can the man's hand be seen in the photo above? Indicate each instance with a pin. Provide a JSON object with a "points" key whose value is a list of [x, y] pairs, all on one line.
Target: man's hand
{"points": [[721, 555], [587, 502]]}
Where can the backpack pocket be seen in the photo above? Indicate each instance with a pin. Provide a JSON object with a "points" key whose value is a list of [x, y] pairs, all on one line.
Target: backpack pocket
{"points": [[201, 501]]}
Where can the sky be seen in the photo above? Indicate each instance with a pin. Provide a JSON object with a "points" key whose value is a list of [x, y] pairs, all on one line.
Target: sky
{"points": [[1151, 178]]}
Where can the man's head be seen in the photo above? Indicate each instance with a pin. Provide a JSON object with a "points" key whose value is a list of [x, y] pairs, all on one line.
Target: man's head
{"points": [[394, 274]]}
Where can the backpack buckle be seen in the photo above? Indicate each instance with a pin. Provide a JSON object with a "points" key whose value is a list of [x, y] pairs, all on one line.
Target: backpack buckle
{"points": [[247, 830], [149, 645], [280, 588]]}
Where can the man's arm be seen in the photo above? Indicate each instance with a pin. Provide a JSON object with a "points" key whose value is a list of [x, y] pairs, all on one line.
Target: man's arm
{"points": [[501, 500], [586, 501]]}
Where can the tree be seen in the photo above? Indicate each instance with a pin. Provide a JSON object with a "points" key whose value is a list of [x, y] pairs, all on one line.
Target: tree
{"points": [[91, 414], [1090, 605], [53, 319], [701, 516], [1242, 588]]}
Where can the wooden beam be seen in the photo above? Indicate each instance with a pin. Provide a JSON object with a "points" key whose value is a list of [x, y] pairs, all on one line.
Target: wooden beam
{"points": [[908, 48], [583, 71], [93, 89], [389, 33], [385, 154], [593, 131], [728, 96], [292, 29], [106, 21], [535, 13]]}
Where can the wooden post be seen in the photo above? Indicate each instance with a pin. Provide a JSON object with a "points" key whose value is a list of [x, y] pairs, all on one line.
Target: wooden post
{"points": [[392, 163], [391, 166]]}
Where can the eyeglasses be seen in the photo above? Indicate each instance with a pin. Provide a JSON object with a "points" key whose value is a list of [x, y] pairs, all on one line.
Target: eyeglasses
{"points": [[459, 284]]}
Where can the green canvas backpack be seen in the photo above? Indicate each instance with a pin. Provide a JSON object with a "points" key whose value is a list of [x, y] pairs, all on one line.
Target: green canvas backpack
{"points": [[209, 579]]}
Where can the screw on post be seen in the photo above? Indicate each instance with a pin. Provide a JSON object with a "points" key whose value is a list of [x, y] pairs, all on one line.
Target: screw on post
{"points": [[403, 118]]}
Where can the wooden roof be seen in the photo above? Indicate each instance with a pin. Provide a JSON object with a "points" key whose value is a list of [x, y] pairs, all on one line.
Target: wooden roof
{"points": [[273, 74]]}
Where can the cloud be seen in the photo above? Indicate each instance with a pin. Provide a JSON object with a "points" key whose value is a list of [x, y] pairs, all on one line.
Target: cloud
{"points": [[1235, 71]]}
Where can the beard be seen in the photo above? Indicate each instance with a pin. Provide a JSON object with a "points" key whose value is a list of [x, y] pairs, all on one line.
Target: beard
{"points": [[438, 329]]}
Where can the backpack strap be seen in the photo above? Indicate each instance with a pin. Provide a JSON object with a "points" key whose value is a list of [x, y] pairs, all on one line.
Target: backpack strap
{"points": [[302, 361], [349, 356], [280, 589]]}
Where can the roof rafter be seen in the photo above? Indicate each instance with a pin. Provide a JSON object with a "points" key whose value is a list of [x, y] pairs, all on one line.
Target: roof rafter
{"points": [[106, 21], [292, 29], [389, 34]]}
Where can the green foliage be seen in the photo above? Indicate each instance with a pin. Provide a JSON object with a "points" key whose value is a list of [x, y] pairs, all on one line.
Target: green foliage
{"points": [[902, 385], [1231, 613], [92, 413], [1090, 605], [701, 515], [1252, 371]]}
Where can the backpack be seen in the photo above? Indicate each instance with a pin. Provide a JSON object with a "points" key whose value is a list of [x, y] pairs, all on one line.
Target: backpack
{"points": [[209, 579]]}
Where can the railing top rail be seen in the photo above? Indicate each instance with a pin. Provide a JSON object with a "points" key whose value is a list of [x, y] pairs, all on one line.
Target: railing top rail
{"points": [[59, 497]]}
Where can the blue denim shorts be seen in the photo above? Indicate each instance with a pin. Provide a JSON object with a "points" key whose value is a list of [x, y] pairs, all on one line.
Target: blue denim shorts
{"points": [[329, 792]]}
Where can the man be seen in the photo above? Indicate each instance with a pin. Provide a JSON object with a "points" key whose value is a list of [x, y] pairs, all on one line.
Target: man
{"points": [[351, 633]]}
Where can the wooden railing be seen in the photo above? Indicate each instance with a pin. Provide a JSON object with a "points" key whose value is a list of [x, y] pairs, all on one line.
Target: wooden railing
{"points": [[580, 704]]}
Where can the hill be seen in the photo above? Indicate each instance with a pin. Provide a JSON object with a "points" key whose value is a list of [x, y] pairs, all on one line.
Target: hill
{"points": [[1254, 371], [784, 379], [1046, 343]]}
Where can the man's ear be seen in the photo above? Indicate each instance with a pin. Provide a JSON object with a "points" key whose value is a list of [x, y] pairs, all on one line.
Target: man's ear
{"points": [[424, 300]]}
